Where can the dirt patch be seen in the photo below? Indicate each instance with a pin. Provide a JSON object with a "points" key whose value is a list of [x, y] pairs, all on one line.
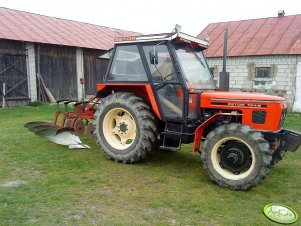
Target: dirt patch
{"points": [[14, 183]]}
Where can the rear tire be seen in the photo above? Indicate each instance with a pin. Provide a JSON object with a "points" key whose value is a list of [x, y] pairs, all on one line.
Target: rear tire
{"points": [[126, 129], [236, 157]]}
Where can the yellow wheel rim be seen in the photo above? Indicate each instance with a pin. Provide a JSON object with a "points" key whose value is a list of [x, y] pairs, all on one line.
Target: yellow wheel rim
{"points": [[119, 128]]}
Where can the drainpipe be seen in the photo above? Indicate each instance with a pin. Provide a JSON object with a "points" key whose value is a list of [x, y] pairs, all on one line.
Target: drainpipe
{"points": [[297, 103]]}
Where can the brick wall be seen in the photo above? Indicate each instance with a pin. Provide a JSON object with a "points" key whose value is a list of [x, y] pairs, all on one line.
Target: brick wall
{"points": [[242, 74]]}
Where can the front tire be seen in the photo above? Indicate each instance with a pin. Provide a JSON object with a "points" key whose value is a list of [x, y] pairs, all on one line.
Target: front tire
{"points": [[236, 157], [277, 156], [125, 127]]}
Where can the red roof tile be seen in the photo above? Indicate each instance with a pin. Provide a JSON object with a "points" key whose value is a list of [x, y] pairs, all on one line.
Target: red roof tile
{"points": [[265, 36], [24, 26]]}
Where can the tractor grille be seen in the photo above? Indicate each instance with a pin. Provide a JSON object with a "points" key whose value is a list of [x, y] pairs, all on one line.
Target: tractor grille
{"points": [[258, 117], [282, 118]]}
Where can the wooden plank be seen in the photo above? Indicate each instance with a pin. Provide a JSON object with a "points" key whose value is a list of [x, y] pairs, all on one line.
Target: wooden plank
{"points": [[3, 96], [16, 98]]}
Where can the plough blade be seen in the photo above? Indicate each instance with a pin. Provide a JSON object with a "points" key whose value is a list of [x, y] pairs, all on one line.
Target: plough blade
{"points": [[78, 146], [46, 132], [64, 136], [43, 126], [36, 123]]}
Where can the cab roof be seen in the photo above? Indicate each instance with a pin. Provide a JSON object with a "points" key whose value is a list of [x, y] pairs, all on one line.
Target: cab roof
{"points": [[161, 37]]}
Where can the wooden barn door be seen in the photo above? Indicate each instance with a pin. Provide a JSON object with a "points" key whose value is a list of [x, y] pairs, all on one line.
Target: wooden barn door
{"points": [[14, 75], [57, 66]]}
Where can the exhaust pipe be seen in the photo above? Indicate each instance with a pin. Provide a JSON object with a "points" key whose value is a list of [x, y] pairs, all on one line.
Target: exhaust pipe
{"points": [[224, 76]]}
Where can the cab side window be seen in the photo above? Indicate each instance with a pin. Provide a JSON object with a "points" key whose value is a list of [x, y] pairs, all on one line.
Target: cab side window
{"points": [[170, 95], [164, 70], [127, 65]]}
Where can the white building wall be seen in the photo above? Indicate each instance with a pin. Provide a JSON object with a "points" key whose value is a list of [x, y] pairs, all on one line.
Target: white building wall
{"points": [[297, 102], [242, 74]]}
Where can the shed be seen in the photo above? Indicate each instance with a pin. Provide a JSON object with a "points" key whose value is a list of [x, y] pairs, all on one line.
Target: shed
{"points": [[59, 51]]}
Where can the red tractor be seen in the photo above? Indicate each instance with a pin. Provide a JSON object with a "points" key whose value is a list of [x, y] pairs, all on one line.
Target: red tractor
{"points": [[159, 93]]}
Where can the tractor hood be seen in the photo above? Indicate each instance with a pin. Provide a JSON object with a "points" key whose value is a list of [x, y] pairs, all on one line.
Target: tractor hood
{"points": [[241, 96], [239, 99]]}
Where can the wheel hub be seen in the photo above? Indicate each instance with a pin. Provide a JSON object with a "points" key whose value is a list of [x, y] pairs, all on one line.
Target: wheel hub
{"points": [[123, 127], [234, 157]]}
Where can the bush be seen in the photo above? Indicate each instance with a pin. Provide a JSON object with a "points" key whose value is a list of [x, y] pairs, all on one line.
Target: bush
{"points": [[35, 103]]}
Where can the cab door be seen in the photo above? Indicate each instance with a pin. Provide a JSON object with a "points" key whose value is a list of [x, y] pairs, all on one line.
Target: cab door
{"points": [[165, 81]]}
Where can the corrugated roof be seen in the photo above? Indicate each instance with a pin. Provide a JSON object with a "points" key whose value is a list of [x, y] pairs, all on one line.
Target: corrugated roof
{"points": [[265, 36], [24, 26]]}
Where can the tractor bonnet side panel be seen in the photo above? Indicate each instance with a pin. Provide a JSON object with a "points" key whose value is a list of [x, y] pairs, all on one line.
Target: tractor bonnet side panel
{"points": [[261, 112]]}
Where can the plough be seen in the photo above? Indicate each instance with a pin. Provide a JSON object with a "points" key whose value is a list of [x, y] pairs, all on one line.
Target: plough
{"points": [[68, 124]]}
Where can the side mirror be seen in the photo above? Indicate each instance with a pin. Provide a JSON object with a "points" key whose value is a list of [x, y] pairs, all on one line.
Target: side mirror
{"points": [[153, 57]]}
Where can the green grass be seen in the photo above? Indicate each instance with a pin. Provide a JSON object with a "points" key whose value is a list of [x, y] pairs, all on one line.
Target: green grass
{"points": [[81, 187]]}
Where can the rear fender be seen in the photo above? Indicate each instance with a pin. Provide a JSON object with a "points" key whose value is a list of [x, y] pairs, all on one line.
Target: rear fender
{"points": [[144, 91]]}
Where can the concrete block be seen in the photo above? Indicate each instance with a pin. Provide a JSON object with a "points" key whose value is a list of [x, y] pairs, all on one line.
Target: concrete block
{"points": [[280, 78], [239, 78], [247, 86], [236, 86]]}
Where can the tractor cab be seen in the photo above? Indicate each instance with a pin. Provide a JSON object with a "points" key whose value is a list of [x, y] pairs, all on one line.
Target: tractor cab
{"points": [[173, 72], [173, 65]]}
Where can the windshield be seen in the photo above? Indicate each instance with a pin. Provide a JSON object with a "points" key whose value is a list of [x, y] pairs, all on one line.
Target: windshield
{"points": [[194, 66]]}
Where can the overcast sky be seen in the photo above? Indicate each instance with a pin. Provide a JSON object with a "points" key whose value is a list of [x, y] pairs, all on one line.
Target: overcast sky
{"points": [[156, 16]]}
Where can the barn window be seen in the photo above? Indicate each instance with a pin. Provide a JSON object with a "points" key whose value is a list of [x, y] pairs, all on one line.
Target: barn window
{"points": [[263, 72]]}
